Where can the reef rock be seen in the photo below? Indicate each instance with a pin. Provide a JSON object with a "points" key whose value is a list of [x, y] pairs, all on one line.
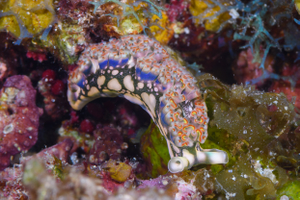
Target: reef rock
{"points": [[19, 118]]}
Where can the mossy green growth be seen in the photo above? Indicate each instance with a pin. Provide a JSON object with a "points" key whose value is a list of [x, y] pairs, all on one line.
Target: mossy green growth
{"points": [[154, 151], [250, 126], [57, 169], [213, 142], [248, 115], [65, 43], [291, 189]]}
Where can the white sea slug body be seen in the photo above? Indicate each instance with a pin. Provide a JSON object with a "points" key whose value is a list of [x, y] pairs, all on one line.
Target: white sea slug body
{"points": [[139, 69]]}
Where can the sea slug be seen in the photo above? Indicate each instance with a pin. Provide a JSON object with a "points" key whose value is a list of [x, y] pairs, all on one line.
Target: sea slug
{"points": [[141, 70]]}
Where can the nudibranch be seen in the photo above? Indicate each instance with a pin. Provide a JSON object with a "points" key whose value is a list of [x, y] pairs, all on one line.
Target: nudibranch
{"points": [[141, 70]]}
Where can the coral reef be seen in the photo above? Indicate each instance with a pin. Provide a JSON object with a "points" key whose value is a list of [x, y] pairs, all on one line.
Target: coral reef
{"points": [[66, 42], [133, 16], [258, 129], [242, 55], [19, 118], [253, 22]]}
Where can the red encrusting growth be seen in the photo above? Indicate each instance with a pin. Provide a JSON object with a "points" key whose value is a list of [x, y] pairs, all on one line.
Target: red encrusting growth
{"points": [[49, 75], [87, 126], [58, 87]]}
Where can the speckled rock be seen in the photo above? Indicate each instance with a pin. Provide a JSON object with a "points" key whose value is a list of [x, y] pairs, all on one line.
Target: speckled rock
{"points": [[19, 118], [60, 151], [108, 144]]}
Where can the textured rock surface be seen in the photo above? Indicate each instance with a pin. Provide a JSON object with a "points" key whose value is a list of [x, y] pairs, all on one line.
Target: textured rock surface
{"points": [[19, 118]]}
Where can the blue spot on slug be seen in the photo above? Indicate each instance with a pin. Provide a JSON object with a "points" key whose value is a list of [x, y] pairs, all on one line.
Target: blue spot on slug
{"points": [[88, 70], [145, 76], [148, 76], [124, 61], [81, 82], [103, 64], [137, 70], [113, 63], [162, 117]]}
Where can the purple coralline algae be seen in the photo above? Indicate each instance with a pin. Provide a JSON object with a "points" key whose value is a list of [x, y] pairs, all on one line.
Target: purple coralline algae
{"points": [[19, 118]]}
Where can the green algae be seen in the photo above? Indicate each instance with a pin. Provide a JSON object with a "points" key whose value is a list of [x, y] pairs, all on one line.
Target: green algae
{"points": [[58, 168], [64, 42], [155, 151], [246, 115], [252, 126], [291, 189]]}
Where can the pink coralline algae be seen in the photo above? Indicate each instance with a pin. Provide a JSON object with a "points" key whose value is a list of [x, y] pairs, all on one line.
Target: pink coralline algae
{"points": [[290, 74], [178, 187], [246, 69], [19, 118], [282, 86], [176, 8], [86, 126], [3, 70], [11, 185]]}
